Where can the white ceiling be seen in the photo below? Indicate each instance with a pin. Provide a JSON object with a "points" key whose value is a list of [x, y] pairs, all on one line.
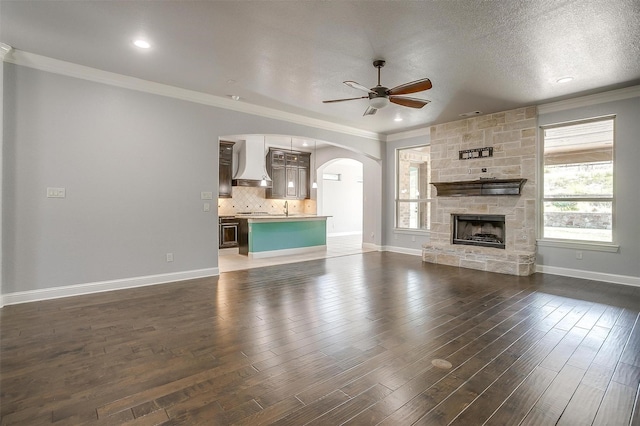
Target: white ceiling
{"points": [[291, 55]]}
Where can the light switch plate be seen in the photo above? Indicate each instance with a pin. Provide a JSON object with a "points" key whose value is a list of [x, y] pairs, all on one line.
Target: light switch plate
{"points": [[56, 192], [206, 195]]}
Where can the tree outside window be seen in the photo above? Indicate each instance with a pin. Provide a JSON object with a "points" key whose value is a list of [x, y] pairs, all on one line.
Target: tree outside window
{"points": [[578, 175], [413, 192]]}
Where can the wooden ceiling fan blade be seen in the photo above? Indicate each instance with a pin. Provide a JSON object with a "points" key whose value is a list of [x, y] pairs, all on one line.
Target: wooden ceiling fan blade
{"points": [[342, 100], [408, 102], [357, 85], [370, 111], [413, 87]]}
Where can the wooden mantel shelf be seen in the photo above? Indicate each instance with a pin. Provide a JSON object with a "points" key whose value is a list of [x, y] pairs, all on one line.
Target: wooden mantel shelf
{"points": [[472, 188]]}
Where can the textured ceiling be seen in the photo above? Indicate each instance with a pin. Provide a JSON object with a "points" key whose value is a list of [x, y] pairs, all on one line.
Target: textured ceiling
{"points": [[290, 55]]}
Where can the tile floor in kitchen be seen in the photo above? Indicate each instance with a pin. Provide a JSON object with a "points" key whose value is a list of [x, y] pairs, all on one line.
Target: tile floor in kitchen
{"points": [[342, 245]]}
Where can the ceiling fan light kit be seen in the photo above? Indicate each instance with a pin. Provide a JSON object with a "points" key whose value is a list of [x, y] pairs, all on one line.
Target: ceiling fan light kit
{"points": [[380, 96], [378, 102]]}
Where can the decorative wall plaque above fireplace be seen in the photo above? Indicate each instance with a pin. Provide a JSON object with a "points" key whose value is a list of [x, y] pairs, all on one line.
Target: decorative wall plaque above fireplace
{"points": [[470, 154], [472, 188], [478, 230]]}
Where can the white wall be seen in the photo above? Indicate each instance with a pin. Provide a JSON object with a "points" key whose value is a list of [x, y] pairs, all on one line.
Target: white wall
{"points": [[342, 199], [372, 195], [133, 165]]}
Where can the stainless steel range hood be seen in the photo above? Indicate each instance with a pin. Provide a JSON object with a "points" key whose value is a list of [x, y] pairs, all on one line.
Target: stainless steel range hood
{"points": [[251, 162]]}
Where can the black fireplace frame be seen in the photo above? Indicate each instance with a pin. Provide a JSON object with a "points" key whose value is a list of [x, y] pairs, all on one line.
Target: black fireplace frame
{"points": [[498, 219]]}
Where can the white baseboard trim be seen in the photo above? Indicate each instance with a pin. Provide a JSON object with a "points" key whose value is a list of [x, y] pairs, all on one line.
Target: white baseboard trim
{"points": [[371, 246], [589, 275], [102, 286], [403, 250], [343, 234]]}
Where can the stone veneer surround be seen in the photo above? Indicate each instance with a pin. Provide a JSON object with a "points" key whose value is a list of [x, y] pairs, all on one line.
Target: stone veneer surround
{"points": [[512, 134]]}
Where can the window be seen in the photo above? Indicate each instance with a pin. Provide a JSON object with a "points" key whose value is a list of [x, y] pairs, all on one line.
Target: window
{"points": [[413, 191], [578, 170], [331, 176]]}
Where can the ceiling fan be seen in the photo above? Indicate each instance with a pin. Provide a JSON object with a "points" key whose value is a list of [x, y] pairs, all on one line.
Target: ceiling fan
{"points": [[380, 96]]}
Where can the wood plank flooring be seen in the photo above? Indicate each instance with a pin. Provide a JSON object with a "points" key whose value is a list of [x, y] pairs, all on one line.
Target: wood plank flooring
{"points": [[348, 340]]}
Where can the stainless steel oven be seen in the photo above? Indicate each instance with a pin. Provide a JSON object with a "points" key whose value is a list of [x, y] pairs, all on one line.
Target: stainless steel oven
{"points": [[228, 231]]}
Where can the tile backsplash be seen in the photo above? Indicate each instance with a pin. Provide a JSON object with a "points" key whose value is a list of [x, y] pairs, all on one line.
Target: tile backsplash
{"points": [[250, 199]]}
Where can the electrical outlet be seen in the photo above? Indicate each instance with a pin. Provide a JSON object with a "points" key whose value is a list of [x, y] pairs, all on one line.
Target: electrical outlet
{"points": [[579, 255], [413, 238], [169, 257], [206, 207]]}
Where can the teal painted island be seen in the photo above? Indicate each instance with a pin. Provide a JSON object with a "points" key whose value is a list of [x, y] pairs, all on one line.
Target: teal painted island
{"points": [[279, 235]]}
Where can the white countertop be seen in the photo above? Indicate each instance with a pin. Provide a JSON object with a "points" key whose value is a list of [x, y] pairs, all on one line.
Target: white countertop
{"points": [[280, 217]]}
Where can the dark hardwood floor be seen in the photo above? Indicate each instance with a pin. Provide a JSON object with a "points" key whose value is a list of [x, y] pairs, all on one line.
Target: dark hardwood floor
{"points": [[377, 338]]}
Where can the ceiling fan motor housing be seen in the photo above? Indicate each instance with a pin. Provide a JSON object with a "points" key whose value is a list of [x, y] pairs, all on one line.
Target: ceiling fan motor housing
{"points": [[378, 92]]}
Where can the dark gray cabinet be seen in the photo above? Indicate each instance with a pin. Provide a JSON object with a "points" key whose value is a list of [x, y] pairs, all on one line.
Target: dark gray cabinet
{"points": [[225, 168], [288, 166]]}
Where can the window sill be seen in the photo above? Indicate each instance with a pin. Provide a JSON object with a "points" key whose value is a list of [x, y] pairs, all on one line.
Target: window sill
{"points": [[411, 231], [580, 245]]}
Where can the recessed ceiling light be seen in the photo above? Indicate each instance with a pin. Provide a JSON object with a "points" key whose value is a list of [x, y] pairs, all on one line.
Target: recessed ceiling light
{"points": [[564, 80], [142, 44], [397, 119]]}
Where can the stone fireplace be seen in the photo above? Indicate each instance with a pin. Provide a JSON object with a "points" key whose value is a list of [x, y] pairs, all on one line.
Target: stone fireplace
{"points": [[511, 135]]}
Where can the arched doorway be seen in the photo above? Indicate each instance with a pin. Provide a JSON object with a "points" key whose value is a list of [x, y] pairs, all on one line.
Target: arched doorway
{"points": [[340, 195]]}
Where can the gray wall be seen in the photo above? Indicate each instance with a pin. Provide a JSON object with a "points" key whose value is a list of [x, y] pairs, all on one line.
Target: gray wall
{"points": [[133, 165], [392, 239], [1, 162], [627, 195]]}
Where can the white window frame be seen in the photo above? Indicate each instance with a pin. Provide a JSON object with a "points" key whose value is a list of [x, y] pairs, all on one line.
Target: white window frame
{"points": [[397, 201], [543, 241]]}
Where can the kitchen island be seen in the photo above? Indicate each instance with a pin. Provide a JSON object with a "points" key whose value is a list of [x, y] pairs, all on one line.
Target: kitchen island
{"points": [[280, 235]]}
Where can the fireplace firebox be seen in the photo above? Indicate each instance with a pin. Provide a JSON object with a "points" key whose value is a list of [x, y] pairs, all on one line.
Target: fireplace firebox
{"points": [[478, 230]]}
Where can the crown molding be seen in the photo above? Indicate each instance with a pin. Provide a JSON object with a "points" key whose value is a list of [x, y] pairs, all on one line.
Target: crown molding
{"points": [[584, 101], [423, 131], [5, 49], [44, 63]]}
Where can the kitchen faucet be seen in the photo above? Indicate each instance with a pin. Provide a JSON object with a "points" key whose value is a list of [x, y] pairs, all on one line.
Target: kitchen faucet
{"points": [[286, 208]]}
